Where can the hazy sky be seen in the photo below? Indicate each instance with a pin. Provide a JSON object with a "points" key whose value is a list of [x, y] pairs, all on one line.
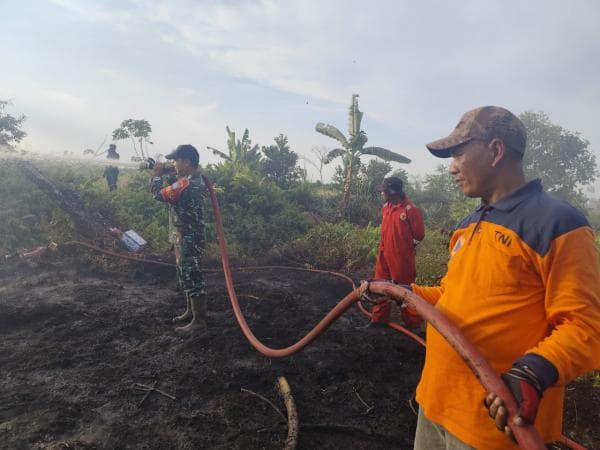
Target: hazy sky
{"points": [[77, 68]]}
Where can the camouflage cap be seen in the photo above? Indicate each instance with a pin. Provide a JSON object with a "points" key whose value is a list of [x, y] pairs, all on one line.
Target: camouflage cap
{"points": [[485, 124]]}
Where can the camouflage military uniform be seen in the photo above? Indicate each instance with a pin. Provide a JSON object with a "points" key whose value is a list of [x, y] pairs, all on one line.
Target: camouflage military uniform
{"points": [[185, 198]]}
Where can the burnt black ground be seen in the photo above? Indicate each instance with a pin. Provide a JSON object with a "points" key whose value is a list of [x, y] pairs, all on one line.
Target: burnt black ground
{"points": [[78, 331]]}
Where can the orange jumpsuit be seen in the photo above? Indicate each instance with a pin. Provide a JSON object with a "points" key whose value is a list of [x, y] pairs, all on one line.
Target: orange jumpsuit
{"points": [[523, 277], [401, 225]]}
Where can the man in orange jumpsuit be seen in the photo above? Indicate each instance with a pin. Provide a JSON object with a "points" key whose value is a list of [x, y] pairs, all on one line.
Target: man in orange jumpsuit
{"points": [[402, 228]]}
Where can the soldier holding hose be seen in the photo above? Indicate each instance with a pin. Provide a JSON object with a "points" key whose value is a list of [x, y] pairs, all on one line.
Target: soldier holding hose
{"points": [[185, 197], [522, 285]]}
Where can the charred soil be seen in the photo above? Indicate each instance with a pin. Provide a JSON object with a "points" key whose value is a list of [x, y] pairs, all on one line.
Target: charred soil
{"points": [[81, 336]]}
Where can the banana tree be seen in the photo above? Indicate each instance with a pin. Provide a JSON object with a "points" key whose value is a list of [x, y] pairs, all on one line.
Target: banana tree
{"points": [[240, 152], [352, 149]]}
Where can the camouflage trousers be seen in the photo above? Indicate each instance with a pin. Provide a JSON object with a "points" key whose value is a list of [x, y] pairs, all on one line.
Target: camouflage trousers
{"points": [[188, 257]]}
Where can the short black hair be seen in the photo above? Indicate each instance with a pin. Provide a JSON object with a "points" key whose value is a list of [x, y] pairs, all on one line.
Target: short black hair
{"points": [[393, 185]]}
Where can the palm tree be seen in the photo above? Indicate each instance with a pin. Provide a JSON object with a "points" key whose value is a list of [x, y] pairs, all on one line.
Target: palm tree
{"points": [[240, 152], [353, 148]]}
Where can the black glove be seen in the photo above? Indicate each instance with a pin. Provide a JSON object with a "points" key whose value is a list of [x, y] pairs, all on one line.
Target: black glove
{"points": [[525, 386], [528, 379]]}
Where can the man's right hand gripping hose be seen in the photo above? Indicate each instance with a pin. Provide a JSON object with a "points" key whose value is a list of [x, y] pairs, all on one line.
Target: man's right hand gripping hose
{"points": [[527, 379]]}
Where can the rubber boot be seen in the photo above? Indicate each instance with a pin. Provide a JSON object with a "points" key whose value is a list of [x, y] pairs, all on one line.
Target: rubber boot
{"points": [[198, 323], [187, 314]]}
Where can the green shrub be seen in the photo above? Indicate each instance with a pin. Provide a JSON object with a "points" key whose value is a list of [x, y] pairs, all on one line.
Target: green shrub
{"points": [[135, 208], [319, 201], [352, 248], [432, 257], [341, 246], [257, 217], [26, 218], [59, 228]]}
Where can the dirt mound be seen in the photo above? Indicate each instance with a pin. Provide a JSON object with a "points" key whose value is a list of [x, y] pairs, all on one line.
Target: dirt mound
{"points": [[79, 341]]}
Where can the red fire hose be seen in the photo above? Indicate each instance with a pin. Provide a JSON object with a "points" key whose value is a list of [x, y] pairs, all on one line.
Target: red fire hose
{"points": [[396, 326], [337, 311]]}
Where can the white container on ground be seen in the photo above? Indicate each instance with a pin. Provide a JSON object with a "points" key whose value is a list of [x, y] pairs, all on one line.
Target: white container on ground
{"points": [[133, 241]]}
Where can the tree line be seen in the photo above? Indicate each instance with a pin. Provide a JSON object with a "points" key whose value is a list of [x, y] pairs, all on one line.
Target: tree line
{"points": [[270, 206]]}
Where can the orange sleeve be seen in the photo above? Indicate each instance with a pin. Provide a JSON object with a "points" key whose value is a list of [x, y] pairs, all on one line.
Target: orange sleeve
{"points": [[571, 275], [429, 293]]}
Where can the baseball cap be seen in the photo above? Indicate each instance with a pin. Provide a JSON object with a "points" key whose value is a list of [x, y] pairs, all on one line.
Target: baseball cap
{"points": [[484, 123], [185, 151]]}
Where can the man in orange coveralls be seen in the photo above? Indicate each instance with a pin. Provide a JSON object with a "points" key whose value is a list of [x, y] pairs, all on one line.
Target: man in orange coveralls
{"points": [[402, 228], [522, 285]]}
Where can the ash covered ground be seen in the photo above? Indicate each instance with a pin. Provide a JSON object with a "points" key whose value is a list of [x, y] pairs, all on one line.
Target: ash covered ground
{"points": [[79, 331]]}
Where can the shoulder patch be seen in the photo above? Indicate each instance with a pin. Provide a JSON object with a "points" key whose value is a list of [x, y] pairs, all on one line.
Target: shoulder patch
{"points": [[172, 193]]}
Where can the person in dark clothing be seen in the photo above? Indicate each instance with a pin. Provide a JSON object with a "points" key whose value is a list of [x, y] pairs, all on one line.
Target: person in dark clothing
{"points": [[111, 152], [111, 173]]}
